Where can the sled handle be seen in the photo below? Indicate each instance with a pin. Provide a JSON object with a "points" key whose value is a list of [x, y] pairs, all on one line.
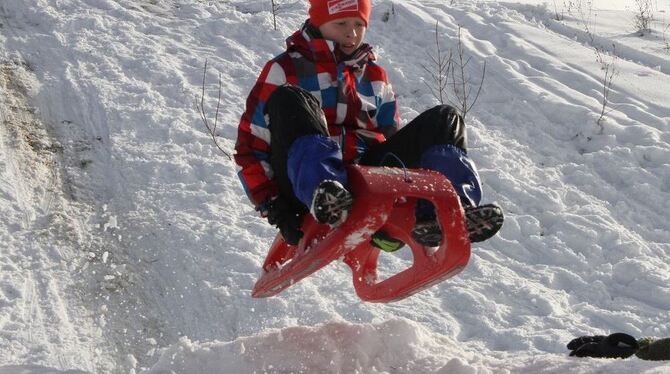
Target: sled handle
{"points": [[429, 266]]}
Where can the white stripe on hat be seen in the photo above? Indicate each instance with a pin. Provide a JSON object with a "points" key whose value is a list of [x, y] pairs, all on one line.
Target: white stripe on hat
{"points": [[337, 6]]}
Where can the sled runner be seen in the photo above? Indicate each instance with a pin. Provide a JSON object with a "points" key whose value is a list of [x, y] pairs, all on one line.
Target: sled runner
{"points": [[384, 199]]}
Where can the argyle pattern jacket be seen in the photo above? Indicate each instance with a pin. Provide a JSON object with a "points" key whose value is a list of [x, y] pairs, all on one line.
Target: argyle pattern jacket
{"points": [[356, 98]]}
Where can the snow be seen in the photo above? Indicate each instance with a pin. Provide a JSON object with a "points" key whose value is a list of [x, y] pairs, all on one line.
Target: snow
{"points": [[128, 245]]}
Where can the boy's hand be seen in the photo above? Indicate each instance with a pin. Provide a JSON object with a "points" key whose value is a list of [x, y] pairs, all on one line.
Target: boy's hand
{"points": [[281, 213]]}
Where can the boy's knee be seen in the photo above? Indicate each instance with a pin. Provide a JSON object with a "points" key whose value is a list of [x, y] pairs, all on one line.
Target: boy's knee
{"points": [[444, 114], [285, 92], [286, 97], [292, 112], [444, 125]]}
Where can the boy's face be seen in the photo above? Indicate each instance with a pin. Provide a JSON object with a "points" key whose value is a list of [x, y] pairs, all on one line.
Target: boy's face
{"points": [[347, 32]]}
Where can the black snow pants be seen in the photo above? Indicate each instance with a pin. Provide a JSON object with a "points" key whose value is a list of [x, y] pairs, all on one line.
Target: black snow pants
{"points": [[294, 112]]}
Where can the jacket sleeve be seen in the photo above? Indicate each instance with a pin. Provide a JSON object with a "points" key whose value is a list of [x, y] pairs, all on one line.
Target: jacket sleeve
{"points": [[252, 149], [387, 117]]}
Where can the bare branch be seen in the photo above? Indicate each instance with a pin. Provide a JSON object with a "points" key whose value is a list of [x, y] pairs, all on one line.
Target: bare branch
{"points": [[439, 70], [587, 18], [481, 84], [609, 73], [643, 17], [460, 80], [557, 17], [200, 106], [275, 9]]}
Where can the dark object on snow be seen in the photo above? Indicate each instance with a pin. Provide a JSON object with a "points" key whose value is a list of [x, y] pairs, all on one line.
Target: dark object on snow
{"points": [[654, 349], [617, 345], [578, 342], [620, 345]]}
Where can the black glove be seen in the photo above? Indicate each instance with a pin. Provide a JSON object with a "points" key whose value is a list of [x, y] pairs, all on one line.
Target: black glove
{"points": [[288, 219], [578, 342], [617, 345]]}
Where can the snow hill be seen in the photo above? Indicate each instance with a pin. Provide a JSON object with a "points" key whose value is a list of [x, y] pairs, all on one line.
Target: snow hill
{"points": [[127, 244]]}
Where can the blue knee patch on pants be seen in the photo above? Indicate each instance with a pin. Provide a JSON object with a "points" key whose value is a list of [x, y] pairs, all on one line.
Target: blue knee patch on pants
{"points": [[313, 159], [453, 163]]}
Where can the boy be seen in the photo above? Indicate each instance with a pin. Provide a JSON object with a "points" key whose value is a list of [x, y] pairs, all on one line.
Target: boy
{"points": [[325, 103]]}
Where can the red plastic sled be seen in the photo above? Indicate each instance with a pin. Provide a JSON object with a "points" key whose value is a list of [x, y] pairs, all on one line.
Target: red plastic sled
{"points": [[384, 198]]}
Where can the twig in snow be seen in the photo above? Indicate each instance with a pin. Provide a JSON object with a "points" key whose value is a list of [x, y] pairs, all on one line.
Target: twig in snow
{"points": [[587, 18], [557, 16], [461, 81], [610, 71], [440, 74], [200, 105], [644, 16], [275, 9], [665, 39]]}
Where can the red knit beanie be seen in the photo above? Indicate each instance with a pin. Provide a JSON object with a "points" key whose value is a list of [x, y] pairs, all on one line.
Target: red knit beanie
{"points": [[322, 11]]}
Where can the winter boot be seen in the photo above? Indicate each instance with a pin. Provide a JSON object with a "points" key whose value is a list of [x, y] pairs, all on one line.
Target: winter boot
{"points": [[385, 242], [331, 203], [483, 221], [427, 232]]}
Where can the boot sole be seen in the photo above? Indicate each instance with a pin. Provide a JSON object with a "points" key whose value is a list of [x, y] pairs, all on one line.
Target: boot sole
{"points": [[483, 222]]}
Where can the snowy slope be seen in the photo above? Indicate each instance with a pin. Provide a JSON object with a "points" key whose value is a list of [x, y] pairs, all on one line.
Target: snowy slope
{"points": [[128, 245]]}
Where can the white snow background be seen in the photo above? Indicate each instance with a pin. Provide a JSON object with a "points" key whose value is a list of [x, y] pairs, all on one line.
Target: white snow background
{"points": [[127, 244]]}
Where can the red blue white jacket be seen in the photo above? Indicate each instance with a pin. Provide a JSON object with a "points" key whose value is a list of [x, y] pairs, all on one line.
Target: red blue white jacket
{"points": [[355, 96]]}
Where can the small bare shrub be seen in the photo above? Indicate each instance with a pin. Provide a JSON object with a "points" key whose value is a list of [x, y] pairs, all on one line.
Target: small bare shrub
{"points": [[644, 16], [587, 17], [461, 81], [440, 70], [200, 105], [275, 8], [449, 72], [558, 16], [608, 66], [390, 12]]}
